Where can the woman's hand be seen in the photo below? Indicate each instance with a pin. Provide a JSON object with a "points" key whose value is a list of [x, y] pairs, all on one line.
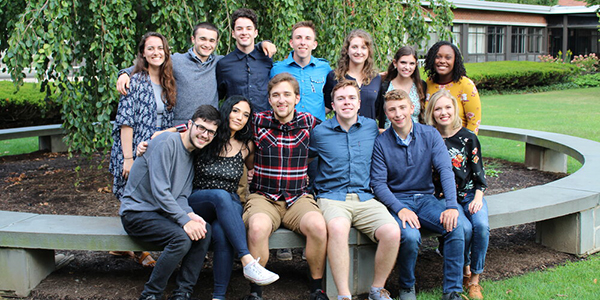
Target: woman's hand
{"points": [[127, 163]]}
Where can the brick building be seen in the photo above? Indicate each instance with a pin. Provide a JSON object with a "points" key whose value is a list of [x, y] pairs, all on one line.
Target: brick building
{"points": [[491, 31]]}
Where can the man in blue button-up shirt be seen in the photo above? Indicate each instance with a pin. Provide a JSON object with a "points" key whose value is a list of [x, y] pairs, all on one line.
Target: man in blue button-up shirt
{"points": [[310, 71], [245, 71], [344, 145]]}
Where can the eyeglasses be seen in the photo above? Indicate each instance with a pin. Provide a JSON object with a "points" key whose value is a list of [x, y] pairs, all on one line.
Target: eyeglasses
{"points": [[202, 129]]}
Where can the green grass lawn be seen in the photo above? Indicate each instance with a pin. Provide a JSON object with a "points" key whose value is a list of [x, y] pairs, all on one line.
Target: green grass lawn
{"points": [[577, 280], [572, 112], [18, 146]]}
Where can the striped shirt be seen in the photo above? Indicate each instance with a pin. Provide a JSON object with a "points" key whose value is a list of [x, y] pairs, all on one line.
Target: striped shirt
{"points": [[281, 158]]}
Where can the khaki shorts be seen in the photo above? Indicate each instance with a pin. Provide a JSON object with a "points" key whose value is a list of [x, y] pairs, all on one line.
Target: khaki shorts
{"points": [[278, 211], [365, 216]]}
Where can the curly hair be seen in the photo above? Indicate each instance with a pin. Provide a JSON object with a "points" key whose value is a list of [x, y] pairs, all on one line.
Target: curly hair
{"points": [[458, 71], [167, 81], [392, 72], [343, 64], [244, 13], [221, 140]]}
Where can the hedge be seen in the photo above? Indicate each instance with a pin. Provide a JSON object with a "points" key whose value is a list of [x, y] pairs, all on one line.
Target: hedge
{"points": [[27, 107], [513, 75]]}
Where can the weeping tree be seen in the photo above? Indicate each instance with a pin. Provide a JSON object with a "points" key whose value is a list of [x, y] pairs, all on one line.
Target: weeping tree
{"points": [[77, 47]]}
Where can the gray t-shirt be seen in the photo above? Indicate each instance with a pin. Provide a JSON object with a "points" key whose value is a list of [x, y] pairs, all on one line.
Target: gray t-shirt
{"points": [[161, 179]]}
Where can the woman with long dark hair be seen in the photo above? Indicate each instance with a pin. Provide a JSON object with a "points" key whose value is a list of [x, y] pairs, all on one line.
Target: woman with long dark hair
{"points": [[403, 74], [147, 108], [218, 169], [446, 71]]}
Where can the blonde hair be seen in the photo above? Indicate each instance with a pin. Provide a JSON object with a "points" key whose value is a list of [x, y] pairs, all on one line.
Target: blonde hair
{"points": [[429, 120]]}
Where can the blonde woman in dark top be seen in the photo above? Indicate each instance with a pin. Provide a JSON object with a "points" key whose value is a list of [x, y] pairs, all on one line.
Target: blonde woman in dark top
{"points": [[465, 153]]}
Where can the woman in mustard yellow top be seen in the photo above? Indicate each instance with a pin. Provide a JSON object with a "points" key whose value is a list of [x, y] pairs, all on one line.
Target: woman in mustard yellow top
{"points": [[445, 70]]}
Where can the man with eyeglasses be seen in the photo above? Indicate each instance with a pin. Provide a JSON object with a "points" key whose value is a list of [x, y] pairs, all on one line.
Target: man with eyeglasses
{"points": [[154, 206]]}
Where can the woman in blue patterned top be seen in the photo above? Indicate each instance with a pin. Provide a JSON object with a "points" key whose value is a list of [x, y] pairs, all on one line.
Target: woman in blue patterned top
{"points": [[465, 152], [147, 108]]}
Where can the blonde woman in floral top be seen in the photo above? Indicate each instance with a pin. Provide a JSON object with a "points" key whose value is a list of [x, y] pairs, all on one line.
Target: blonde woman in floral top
{"points": [[465, 152]]}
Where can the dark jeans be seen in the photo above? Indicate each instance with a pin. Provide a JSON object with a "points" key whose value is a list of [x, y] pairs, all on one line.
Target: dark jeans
{"points": [[154, 228], [428, 209], [224, 211]]}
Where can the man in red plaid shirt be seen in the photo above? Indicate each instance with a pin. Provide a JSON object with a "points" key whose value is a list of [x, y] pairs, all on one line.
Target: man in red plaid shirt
{"points": [[278, 189]]}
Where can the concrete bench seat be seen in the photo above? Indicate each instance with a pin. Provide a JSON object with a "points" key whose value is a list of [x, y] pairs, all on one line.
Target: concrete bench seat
{"points": [[566, 212], [50, 136]]}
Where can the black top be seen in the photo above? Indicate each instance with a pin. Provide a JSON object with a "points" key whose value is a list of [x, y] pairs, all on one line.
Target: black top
{"points": [[222, 173]]}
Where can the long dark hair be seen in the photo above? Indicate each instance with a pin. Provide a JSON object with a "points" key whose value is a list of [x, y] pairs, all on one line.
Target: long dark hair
{"points": [[221, 140], [167, 81], [458, 71], [343, 64], [392, 72]]}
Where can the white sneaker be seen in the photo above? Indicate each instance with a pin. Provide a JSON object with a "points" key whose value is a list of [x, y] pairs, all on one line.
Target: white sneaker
{"points": [[258, 274]]}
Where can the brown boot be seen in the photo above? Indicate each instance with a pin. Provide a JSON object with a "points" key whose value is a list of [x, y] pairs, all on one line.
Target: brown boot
{"points": [[466, 278], [474, 291]]}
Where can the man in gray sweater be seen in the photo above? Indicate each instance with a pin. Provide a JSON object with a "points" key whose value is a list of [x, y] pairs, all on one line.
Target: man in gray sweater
{"points": [[194, 72], [154, 206]]}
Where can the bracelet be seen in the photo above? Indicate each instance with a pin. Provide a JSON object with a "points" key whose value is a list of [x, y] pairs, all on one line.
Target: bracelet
{"points": [[127, 157]]}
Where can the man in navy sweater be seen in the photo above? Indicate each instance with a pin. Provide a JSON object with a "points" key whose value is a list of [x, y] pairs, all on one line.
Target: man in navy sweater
{"points": [[401, 177]]}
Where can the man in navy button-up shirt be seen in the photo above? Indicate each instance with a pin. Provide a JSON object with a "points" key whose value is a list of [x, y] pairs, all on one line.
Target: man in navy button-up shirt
{"points": [[344, 145], [245, 71]]}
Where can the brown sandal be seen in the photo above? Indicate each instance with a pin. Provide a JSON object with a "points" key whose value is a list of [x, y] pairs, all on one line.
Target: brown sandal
{"points": [[466, 279], [146, 260]]}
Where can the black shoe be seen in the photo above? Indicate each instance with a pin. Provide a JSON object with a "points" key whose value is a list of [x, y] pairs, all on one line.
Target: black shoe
{"points": [[318, 295], [252, 296], [180, 296], [451, 296], [149, 297]]}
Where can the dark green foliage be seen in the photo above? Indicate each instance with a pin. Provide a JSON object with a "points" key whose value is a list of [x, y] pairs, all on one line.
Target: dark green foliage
{"points": [[100, 36]]}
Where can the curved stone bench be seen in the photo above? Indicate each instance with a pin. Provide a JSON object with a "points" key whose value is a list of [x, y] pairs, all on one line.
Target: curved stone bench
{"points": [[567, 212], [50, 136]]}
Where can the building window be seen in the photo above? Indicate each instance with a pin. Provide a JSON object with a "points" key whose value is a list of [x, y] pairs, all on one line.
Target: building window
{"points": [[534, 40], [518, 39], [495, 35], [476, 39], [456, 35]]}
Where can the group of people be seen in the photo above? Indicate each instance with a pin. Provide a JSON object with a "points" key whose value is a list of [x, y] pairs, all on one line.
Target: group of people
{"points": [[370, 165]]}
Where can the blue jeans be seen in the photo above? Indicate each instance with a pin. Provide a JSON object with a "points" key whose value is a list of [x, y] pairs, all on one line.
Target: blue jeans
{"points": [[428, 209], [224, 211], [157, 229], [476, 243]]}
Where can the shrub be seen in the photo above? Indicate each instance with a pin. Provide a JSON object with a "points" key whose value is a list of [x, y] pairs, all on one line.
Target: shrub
{"points": [[517, 75], [27, 107], [588, 80], [587, 63]]}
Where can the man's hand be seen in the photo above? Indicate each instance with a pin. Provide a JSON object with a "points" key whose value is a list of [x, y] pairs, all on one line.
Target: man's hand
{"points": [[196, 228], [449, 218], [123, 84], [269, 48], [408, 216], [141, 148]]}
